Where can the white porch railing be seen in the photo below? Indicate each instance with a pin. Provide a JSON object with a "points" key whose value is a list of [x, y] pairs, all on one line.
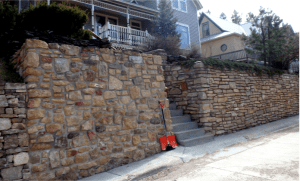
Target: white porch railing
{"points": [[122, 34]]}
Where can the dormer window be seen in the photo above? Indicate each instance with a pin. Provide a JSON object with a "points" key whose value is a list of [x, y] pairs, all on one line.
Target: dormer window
{"points": [[205, 29]]}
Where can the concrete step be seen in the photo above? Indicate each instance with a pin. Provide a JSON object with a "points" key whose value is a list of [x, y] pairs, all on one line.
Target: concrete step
{"points": [[181, 119], [172, 106], [188, 134], [196, 140], [177, 112], [184, 126]]}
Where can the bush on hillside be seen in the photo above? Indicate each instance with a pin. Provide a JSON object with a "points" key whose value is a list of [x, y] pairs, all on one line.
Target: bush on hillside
{"points": [[8, 17], [61, 19]]}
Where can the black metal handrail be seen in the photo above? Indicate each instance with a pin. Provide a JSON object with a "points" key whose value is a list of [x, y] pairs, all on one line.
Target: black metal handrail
{"points": [[236, 55]]}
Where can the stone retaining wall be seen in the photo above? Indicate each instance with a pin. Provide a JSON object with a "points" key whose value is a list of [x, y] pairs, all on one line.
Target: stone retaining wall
{"points": [[14, 139], [89, 109], [227, 101]]}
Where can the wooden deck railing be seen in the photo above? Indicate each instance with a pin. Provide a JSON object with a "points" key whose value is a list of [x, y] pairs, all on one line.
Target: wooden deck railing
{"points": [[122, 34]]}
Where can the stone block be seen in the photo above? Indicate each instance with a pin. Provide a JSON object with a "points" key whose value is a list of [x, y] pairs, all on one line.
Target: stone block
{"points": [[33, 43], [108, 58], [69, 49], [61, 65], [39, 93], [36, 113], [3, 101], [136, 59], [12, 173], [46, 138], [42, 146], [109, 94], [80, 140], [134, 92], [54, 159], [174, 91], [15, 86], [21, 159], [74, 120], [31, 60], [114, 83], [103, 69], [39, 168], [129, 123], [75, 96], [5, 124], [98, 101], [51, 128], [157, 60]]}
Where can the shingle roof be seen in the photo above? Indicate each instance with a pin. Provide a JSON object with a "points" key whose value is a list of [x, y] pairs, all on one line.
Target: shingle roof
{"points": [[215, 36], [226, 25]]}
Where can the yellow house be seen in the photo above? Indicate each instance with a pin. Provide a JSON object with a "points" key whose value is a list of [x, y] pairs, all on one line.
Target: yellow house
{"points": [[219, 36]]}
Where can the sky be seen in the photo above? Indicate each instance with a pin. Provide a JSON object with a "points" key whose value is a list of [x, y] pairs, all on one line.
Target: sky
{"points": [[288, 10]]}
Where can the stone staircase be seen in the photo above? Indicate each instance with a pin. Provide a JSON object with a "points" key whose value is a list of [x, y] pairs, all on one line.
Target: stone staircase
{"points": [[186, 131]]}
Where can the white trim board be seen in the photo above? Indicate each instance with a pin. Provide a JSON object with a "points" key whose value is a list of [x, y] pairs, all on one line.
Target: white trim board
{"points": [[189, 33]]}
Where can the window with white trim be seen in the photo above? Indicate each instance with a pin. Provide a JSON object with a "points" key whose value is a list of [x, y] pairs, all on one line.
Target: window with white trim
{"points": [[185, 35], [179, 5], [205, 29]]}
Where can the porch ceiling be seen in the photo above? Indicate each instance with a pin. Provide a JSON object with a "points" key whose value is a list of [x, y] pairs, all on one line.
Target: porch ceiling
{"points": [[121, 7]]}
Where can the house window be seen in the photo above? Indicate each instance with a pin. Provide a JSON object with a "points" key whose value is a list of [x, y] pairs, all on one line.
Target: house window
{"points": [[183, 5], [224, 47], [205, 29], [179, 5], [135, 25], [185, 36], [175, 4]]}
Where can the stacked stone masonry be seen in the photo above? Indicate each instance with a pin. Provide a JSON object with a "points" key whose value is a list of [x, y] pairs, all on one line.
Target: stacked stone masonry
{"points": [[227, 101], [88, 109], [14, 139]]}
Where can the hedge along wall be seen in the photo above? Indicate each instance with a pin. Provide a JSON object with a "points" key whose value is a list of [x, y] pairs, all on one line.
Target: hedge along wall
{"points": [[89, 109], [229, 100]]}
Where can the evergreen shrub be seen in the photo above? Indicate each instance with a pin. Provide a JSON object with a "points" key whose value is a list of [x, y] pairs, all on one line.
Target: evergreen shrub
{"points": [[59, 18]]}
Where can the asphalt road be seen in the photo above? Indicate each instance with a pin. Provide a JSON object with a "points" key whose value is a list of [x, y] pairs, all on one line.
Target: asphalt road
{"points": [[271, 157]]}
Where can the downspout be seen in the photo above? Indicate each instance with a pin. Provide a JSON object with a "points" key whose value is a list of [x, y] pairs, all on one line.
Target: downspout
{"points": [[199, 33], [127, 11], [93, 23]]}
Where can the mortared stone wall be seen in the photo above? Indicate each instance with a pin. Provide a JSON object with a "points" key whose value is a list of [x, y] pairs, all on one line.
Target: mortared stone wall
{"points": [[88, 110]]}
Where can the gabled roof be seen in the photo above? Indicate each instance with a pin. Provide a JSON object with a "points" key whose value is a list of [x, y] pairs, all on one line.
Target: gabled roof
{"points": [[223, 25], [246, 28], [197, 4], [217, 36]]}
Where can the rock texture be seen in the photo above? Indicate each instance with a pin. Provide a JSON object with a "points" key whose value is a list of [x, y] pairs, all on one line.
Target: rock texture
{"points": [[227, 101], [83, 113], [14, 138]]}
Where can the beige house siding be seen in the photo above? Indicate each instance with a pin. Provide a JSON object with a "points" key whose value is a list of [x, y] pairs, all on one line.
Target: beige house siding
{"points": [[213, 47], [212, 28]]}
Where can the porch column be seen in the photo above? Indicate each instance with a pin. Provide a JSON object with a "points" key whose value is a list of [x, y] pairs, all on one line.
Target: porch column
{"points": [[127, 11], [48, 2], [93, 26], [19, 6]]}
